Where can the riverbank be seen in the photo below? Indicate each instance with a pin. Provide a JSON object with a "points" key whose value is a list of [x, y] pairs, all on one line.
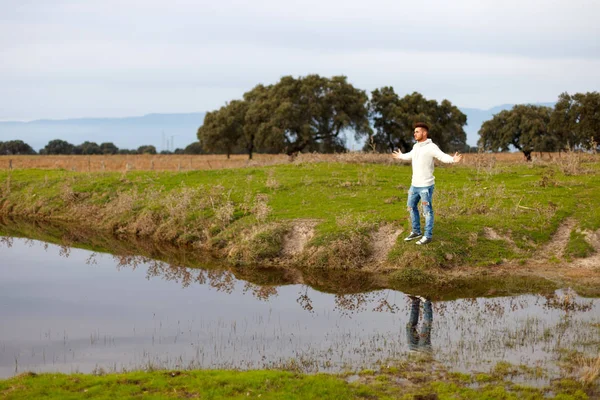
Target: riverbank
{"points": [[419, 377], [538, 220], [178, 262]]}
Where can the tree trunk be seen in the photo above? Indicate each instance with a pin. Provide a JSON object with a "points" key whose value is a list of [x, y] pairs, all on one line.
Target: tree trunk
{"points": [[296, 147]]}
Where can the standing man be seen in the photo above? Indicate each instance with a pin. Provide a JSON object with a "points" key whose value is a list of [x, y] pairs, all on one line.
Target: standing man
{"points": [[421, 188]]}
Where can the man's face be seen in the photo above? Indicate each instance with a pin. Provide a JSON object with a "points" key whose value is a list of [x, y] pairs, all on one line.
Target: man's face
{"points": [[420, 134]]}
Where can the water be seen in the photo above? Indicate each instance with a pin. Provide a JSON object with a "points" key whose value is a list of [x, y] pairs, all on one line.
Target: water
{"points": [[70, 310]]}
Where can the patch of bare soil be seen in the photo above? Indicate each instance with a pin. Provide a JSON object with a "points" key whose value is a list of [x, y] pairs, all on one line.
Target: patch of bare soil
{"points": [[558, 243], [592, 261], [382, 241], [297, 237]]}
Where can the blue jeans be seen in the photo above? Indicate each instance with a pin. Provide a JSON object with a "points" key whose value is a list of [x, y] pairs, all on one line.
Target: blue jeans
{"points": [[419, 341], [425, 195]]}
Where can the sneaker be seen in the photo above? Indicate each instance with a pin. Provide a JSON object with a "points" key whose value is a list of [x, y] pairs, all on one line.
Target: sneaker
{"points": [[424, 240], [412, 236]]}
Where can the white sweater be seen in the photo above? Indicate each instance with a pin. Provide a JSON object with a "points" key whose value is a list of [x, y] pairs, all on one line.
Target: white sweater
{"points": [[422, 155]]}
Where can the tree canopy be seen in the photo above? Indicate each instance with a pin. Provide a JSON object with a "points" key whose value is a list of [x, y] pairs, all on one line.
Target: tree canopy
{"points": [[576, 120], [58, 146], [87, 148], [223, 129], [296, 114], [15, 147], [146, 149], [525, 127], [109, 148], [193, 148], [394, 117]]}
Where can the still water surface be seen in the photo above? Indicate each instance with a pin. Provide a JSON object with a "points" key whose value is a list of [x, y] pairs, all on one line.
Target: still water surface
{"points": [[66, 309]]}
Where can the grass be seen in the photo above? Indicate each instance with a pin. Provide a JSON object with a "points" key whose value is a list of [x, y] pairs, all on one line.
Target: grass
{"points": [[578, 246], [145, 162], [243, 215], [411, 379]]}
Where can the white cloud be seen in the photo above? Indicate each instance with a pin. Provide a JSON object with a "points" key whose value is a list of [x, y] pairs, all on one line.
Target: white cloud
{"points": [[154, 56]]}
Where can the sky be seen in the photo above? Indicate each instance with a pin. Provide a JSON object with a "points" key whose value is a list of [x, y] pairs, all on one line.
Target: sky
{"points": [[115, 58]]}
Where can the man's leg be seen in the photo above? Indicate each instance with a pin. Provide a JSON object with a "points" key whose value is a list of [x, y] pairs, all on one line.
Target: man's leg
{"points": [[426, 200], [425, 337], [412, 336], [413, 209]]}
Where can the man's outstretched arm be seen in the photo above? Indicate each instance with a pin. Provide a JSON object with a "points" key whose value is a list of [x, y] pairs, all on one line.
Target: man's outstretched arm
{"points": [[447, 158], [398, 155]]}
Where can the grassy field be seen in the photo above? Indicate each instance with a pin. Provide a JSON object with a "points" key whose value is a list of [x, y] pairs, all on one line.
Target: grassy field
{"points": [[416, 378], [338, 215]]}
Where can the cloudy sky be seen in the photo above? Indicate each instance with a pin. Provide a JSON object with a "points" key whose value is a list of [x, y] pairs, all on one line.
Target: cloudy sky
{"points": [[111, 58]]}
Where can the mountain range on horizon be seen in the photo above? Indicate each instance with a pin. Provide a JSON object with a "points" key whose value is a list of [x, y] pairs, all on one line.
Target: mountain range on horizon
{"points": [[164, 131]]}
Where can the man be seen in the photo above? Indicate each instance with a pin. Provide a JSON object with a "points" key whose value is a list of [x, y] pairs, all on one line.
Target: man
{"points": [[421, 189]]}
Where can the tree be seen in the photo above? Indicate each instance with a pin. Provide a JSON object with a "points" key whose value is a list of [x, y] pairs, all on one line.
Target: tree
{"points": [[58, 146], [576, 120], [15, 147], [524, 127], [308, 113], [146, 149], [223, 129], [193, 148], [109, 148], [311, 113], [87, 148], [258, 132], [394, 119]]}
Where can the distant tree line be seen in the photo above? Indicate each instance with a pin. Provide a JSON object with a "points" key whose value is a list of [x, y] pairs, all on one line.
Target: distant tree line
{"points": [[312, 113], [573, 124], [57, 146]]}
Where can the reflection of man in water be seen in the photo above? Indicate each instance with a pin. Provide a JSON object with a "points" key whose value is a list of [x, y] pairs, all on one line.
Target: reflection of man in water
{"points": [[419, 341]]}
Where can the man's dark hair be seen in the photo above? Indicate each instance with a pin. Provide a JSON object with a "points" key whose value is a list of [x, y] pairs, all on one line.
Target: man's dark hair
{"points": [[422, 125]]}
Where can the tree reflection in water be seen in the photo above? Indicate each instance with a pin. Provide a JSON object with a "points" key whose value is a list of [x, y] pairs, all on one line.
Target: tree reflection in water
{"points": [[354, 291]]}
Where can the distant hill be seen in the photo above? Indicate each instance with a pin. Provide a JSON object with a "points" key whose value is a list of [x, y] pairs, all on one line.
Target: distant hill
{"points": [[164, 131], [125, 133]]}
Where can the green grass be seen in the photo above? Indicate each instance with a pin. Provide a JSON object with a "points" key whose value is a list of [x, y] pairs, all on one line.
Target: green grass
{"points": [[577, 246], [188, 384], [219, 208], [272, 384]]}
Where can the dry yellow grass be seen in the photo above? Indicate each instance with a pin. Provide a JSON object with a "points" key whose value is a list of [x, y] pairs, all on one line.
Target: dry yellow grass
{"points": [[590, 370], [162, 162], [144, 162]]}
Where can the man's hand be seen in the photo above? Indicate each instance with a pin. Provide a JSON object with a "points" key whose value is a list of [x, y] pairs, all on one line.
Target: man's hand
{"points": [[397, 154], [457, 157]]}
